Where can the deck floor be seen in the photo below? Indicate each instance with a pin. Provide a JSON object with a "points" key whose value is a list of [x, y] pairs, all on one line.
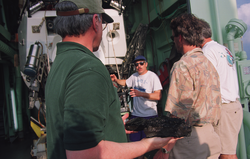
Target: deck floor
{"points": [[18, 149]]}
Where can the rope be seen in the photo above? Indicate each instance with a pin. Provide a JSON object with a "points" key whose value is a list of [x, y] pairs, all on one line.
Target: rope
{"points": [[110, 33]]}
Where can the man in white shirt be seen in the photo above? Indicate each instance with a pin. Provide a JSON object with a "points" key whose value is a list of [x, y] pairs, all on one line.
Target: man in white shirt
{"points": [[231, 111], [146, 91]]}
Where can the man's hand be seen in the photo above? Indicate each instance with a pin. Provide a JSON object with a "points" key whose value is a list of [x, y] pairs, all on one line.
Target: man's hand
{"points": [[135, 93], [124, 117], [156, 95], [121, 82], [156, 142], [113, 77]]}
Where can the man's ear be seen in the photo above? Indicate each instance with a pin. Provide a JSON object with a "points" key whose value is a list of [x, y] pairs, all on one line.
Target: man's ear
{"points": [[95, 22], [180, 38]]}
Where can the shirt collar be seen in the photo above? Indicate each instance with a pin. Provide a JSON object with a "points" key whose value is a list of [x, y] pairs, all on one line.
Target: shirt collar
{"points": [[196, 50], [66, 46]]}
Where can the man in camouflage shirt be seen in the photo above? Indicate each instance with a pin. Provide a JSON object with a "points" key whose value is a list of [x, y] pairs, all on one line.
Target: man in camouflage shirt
{"points": [[194, 93]]}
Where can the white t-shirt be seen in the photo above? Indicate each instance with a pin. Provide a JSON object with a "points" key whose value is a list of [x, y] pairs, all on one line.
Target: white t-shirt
{"points": [[223, 61], [148, 83]]}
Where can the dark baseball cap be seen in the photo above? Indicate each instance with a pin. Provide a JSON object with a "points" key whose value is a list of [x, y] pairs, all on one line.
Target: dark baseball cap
{"points": [[139, 57], [85, 7]]}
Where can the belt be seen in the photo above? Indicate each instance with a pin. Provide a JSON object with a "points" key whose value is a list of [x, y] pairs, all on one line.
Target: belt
{"points": [[231, 102]]}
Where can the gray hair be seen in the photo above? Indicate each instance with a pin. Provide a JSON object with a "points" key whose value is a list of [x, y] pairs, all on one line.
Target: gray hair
{"points": [[71, 25], [206, 30]]}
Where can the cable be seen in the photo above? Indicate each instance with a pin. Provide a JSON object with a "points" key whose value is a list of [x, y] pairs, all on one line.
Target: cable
{"points": [[110, 33], [46, 32]]}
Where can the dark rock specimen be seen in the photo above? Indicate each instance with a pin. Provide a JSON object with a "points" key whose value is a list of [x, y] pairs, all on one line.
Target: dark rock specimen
{"points": [[160, 126]]}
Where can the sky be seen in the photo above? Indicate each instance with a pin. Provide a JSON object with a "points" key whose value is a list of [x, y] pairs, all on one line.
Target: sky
{"points": [[244, 15]]}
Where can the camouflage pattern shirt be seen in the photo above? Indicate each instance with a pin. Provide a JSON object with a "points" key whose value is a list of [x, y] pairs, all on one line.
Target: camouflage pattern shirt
{"points": [[194, 92]]}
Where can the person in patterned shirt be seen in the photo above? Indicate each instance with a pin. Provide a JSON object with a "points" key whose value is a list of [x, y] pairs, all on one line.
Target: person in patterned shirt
{"points": [[194, 92]]}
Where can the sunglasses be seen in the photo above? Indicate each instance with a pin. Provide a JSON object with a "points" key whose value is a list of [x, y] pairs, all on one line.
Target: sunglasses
{"points": [[141, 63]]}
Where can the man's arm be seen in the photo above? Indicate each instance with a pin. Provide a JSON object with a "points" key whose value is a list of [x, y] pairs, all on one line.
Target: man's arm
{"points": [[156, 95], [113, 150], [121, 82]]}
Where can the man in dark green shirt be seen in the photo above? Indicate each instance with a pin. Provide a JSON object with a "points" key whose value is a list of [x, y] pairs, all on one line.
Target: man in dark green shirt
{"points": [[82, 105]]}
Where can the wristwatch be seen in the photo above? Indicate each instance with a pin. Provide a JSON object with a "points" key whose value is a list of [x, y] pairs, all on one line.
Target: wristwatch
{"points": [[164, 150]]}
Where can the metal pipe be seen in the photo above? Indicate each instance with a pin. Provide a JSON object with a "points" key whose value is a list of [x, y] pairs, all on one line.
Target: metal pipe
{"points": [[3, 15], [217, 18], [26, 102], [28, 8], [33, 9], [232, 31], [7, 49], [246, 122], [118, 6], [246, 119], [8, 100], [230, 39], [248, 151], [19, 101], [235, 29], [13, 103], [242, 143], [188, 6]]}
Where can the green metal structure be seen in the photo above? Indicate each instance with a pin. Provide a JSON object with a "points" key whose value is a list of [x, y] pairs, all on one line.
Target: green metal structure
{"points": [[227, 29]]}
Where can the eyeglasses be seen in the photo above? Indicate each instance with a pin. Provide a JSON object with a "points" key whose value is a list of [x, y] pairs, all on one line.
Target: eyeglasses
{"points": [[141, 63], [105, 25]]}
